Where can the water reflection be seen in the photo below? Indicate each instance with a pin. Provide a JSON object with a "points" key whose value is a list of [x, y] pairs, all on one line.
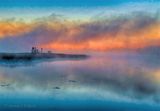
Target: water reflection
{"points": [[21, 63], [130, 77]]}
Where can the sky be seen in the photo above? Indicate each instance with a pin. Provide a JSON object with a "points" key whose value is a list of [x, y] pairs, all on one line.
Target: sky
{"points": [[79, 25], [67, 3]]}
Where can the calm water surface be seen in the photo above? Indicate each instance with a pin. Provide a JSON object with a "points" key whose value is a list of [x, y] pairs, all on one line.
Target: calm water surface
{"points": [[106, 81]]}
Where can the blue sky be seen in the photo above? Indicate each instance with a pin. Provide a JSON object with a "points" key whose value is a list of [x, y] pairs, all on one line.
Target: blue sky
{"points": [[66, 3]]}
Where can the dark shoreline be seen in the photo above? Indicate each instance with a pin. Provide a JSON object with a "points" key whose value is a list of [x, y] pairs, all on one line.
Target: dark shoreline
{"points": [[31, 56]]}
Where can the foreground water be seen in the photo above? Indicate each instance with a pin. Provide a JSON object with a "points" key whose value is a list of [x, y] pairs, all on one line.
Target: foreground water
{"points": [[105, 81]]}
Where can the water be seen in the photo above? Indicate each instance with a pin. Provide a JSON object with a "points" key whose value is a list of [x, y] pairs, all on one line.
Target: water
{"points": [[105, 81]]}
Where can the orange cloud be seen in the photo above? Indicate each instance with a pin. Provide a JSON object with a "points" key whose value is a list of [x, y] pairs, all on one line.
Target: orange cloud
{"points": [[122, 33], [145, 37], [13, 28]]}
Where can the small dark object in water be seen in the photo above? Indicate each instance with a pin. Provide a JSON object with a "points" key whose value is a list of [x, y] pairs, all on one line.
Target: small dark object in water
{"points": [[5, 85], [72, 81], [56, 87]]}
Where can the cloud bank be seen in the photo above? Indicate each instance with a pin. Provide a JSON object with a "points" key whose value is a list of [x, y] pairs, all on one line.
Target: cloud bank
{"points": [[122, 32]]}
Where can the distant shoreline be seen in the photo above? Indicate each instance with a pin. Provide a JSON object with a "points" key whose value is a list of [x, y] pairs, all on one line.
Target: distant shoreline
{"points": [[30, 56]]}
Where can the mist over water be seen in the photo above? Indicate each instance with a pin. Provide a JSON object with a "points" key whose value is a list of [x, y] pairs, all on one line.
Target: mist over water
{"points": [[112, 81]]}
